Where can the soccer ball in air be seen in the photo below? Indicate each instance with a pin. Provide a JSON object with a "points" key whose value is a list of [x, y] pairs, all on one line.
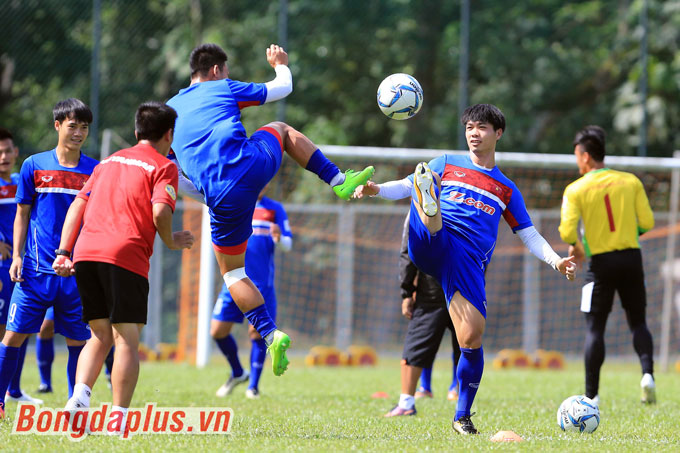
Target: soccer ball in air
{"points": [[578, 413], [400, 96]]}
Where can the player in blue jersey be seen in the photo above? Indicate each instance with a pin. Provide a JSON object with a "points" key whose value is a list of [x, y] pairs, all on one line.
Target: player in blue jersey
{"points": [[48, 183], [271, 231], [230, 169], [457, 204], [8, 208]]}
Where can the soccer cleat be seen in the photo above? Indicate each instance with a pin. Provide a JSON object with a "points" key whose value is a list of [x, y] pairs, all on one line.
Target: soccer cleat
{"points": [[464, 425], [26, 398], [452, 395], [252, 394], [277, 350], [425, 189], [422, 393], [398, 411], [44, 388], [353, 179], [648, 389], [228, 386]]}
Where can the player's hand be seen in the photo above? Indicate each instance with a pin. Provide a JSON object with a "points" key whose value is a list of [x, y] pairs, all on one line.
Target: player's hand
{"points": [[182, 240], [578, 252], [5, 251], [567, 267], [15, 269], [407, 307], [370, 189], [276, 56], [275, 233], [63, 266]]}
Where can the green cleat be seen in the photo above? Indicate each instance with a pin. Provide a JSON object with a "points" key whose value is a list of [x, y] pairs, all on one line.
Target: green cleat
{"points": [[277, 349], [353, 179]]}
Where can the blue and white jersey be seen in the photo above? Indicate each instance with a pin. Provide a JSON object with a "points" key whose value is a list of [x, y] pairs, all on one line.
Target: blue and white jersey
{"points": [[261, 246], [49, 188], [209, 137], [8, 210], [473, 200]]}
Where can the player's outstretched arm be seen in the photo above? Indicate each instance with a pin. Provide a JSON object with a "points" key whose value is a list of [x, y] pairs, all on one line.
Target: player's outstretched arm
{"points": [[537, 244], [162, 219], [391, 190]]}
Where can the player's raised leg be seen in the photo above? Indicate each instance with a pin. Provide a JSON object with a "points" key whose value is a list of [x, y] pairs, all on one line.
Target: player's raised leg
{"points": [[249, 300], [426, 189], [310, 157], [469, 324]]}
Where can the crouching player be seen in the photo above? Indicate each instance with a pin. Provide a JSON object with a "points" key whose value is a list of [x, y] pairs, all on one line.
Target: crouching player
{"points": [[129, 197]]}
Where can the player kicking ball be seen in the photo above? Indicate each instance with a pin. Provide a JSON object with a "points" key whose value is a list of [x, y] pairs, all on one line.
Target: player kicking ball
{"points": [[230, 169], [457, 205]]}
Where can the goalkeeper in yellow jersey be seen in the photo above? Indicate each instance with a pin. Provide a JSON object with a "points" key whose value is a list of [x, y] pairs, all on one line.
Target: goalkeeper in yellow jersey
{"points": [[615, 211]]}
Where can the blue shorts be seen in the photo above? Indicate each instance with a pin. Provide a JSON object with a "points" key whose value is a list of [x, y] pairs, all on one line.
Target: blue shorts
{"points": [[36, 294], [231, 218], [226, 309], [5, 293], [444, 256]]}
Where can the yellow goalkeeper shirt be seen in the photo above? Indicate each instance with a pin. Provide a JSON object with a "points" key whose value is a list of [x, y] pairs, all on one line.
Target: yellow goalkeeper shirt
{"points": [[614, 208]]}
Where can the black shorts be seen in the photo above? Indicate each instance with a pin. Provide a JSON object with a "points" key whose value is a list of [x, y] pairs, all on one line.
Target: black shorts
{"points": [[110, 292], [619, 271], [425, 331]]}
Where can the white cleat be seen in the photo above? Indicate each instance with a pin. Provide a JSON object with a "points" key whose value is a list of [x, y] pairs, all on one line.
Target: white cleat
{"points": [[648, 389], [596, 400], [228, 386], [25, 397], [425, 190], [252, 394]]}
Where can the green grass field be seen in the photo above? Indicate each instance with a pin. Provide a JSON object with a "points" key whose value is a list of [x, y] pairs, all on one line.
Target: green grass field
{"points": [[330, 409]]}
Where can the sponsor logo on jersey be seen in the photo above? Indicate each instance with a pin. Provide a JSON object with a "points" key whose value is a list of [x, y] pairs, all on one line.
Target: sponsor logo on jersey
{"points": [[459, 197], [8, 191], [459, 173], [59, 181]]}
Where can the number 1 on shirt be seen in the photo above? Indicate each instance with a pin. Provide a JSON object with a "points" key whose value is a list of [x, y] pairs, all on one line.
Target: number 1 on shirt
{"points": [[610, 215]]}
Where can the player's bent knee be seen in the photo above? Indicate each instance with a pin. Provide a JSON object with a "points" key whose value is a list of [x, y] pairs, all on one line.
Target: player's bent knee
{"points": [[234, 276]]}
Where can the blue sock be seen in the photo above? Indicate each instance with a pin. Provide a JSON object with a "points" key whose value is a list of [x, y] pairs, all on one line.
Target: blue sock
{"points": [[426, 379], [454, 379], [324, 168], [260, 319], [109, 362], [258, 353], [8, 365], [470, 368], [73, 354], [44, 352], [14, 388], [230, 350]]}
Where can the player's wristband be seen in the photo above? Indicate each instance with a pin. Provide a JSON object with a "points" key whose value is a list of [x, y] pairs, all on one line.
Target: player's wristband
{"points": [[63, 252]]}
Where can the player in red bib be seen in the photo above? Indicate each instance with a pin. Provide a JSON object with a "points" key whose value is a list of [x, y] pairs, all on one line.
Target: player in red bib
{"points": [[130, 196]]}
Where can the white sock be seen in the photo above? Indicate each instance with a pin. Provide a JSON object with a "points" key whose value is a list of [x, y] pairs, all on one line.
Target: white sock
{"points": [[406, 401], [81, 397], [124, 420], [269, 338], [338, 179]]}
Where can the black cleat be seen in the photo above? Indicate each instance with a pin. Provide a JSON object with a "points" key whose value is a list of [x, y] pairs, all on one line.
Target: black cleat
{"points": [[44, 388], [464, 425]]}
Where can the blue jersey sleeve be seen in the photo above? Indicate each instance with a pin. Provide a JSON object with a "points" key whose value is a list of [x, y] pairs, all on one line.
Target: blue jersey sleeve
{"points": [[247, 94], [282, 220], [26, 183], [516, 213]]}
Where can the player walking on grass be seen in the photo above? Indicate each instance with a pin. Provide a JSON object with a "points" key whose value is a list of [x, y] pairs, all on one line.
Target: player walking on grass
{"points": [[271, 231], [48, 183], [8, 209], [424, 304], [615, 211], [133, 191], [457, 205], [230, 169]]}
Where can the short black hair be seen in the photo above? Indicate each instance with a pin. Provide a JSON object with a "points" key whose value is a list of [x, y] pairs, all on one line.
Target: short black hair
{"points": [[205, 57], [485, 113], [593, 140], [153, 120], [5, 134], [72, 108]]}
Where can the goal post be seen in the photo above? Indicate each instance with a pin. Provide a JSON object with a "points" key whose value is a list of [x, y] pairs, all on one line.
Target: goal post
{"points": [[339, 284]]}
